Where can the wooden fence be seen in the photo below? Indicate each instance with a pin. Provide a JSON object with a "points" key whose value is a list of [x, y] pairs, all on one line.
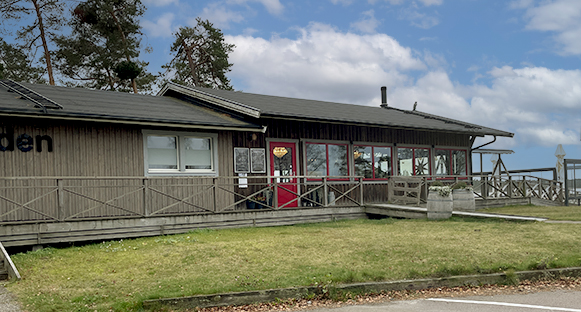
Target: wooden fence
{"points": [[62, 199]]}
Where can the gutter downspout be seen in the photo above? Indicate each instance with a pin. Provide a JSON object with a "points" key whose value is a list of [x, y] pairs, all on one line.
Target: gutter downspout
{"points": [[481, 156], [483, 145]]}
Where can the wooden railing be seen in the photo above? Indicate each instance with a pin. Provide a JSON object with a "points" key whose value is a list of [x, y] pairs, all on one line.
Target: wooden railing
{"points": [[58, 199]]}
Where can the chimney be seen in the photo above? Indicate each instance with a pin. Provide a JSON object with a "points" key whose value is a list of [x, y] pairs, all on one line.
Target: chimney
{"points": [[383, 97]]}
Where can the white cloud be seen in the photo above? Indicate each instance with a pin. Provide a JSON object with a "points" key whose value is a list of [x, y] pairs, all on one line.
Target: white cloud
{"points": [[272, 6], [504, 71], [249, 31], [162, 27], [367, 24], [563, 17], [473, 68], [322, 63], [343, 2], [432, 2], [414, 2], [218, 15], [541, 106], [159, 3], [392, 2], [421, 20], [521, 4], [549, 135]]}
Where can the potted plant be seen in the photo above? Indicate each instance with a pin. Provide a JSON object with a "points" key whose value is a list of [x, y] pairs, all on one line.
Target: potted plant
{"points": [[463, 197], [256, 202], [439, 201], [261, 199]]}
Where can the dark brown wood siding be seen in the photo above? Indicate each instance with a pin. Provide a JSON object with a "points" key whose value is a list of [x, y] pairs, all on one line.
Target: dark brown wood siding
{"points": [[291, 129]]}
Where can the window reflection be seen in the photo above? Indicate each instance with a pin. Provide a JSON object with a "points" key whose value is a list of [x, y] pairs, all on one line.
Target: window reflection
{"points": [[413, 161]]}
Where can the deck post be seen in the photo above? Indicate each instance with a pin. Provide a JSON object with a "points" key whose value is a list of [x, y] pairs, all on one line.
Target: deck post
{"points": [[524, 186], [509, 187], [146, 197], [325, 193], [361, 191], [274, 193], [484, 186], [61, 200], [214, 189]]}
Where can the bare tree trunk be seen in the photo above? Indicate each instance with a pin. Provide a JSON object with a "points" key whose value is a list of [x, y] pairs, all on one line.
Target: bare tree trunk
{"points": [[44, 44], [188, 51], [133, 83]]}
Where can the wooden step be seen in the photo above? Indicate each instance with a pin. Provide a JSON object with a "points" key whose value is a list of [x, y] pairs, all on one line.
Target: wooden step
{"points": [[3, 275]]}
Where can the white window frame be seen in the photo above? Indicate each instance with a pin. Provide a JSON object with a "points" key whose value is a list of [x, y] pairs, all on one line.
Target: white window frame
{"points": [[182, 171]]}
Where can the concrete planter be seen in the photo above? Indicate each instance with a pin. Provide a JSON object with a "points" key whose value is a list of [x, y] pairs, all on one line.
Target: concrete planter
{"points": [[439, 207], [463, 200]]}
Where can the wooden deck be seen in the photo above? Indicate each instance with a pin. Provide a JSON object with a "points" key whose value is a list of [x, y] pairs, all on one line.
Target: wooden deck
{"points": [[47, 210]]}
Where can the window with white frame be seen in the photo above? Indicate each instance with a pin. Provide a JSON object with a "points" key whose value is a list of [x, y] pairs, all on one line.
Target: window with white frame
{"points": [[180, 152]]}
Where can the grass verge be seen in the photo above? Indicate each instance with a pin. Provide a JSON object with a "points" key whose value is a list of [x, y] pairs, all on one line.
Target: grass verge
{"points": [[565, 213], [119, 275]]}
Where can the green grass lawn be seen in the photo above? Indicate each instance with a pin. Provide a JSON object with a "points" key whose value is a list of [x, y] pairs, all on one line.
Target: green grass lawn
{"points": [[119, 275], [568, 213]]}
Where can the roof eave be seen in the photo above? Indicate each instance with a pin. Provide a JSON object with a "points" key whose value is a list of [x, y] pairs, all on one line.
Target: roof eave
{"points": [[175, 124], [352, 122]]}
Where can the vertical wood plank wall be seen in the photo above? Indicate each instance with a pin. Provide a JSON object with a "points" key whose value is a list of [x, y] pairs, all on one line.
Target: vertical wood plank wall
{"points": [[86, 149]]}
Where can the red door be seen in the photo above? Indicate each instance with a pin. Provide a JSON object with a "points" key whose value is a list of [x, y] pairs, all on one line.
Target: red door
{"points": [[283, 164]]}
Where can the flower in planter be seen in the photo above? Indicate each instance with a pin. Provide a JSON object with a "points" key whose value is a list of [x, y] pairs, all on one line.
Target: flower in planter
{"points": [[443, 191], [260, 198], [462, 186]]}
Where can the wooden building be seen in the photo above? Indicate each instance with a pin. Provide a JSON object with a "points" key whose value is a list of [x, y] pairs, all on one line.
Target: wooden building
{"points": [[78, 164]]}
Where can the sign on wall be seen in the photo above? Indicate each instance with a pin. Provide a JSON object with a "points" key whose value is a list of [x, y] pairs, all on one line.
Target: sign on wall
{"points": [[23, 142], [257, 160], [241, 160]]}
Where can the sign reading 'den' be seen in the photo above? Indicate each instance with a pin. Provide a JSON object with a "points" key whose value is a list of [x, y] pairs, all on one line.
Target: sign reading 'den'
{"points": [[23, 142]]}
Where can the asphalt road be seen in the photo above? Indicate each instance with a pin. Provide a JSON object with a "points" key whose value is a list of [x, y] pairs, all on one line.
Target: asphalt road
{"points": [[562, 300], [7, 301]]}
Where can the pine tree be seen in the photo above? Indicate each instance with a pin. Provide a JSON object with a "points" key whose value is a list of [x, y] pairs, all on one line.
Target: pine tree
{"points": [[16, 65], [102, 51], [201, 57], [48, 19]]}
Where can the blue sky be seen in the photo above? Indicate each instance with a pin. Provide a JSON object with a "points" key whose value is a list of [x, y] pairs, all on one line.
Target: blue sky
{"points": [[510, 65]]}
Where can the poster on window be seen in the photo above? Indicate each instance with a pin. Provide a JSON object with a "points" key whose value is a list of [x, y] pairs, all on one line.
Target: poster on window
{"points": [[257, 160], [241, 160]]}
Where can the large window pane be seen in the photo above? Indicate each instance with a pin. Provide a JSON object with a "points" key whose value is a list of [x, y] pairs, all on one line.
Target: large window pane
{"points": [[316, 159], [459, 162], [442, 162], [338, 160], [363, 161], [382, 159], [162, 152], [405, 165], [198, 153], [422, 161]]}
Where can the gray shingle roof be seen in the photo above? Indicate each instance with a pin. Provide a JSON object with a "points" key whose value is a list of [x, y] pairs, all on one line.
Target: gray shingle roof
{"points": [[284, 107], [117, 106]]}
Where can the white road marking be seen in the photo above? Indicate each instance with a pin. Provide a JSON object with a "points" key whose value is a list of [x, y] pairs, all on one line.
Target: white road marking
{"points": [[505, 304]]}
